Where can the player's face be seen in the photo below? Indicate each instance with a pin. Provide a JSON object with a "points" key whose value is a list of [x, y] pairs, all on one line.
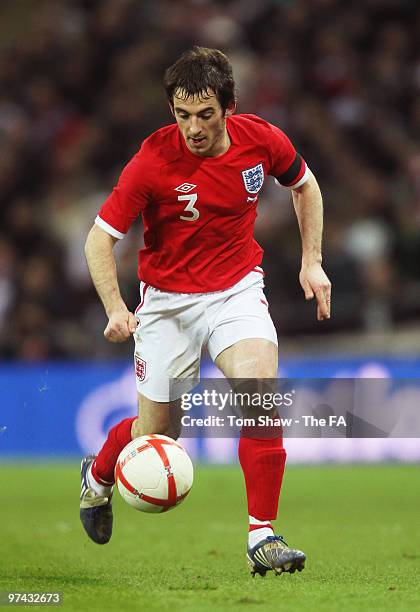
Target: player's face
{"points": [[202, 123]]}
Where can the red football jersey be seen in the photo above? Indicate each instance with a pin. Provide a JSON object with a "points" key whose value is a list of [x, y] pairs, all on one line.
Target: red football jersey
{"points": [[199, 212]]}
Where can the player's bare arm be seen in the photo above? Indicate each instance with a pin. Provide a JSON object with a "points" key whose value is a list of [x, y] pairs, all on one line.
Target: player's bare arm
{"points": [[103, 270], [307, 201]]}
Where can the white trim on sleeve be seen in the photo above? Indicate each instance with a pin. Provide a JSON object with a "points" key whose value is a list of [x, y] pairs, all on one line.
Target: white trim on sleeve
{"points": [[108, 228], [302, 180]]}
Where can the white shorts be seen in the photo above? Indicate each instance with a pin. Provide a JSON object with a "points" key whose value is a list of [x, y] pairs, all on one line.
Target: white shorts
{"points": [[173, 328]]}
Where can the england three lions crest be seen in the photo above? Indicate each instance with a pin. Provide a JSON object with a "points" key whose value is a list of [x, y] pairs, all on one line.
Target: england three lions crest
{"points": [[140, 366], [253, 178]]}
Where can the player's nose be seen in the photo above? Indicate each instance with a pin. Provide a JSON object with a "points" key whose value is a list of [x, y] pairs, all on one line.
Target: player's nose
{"points": [[194, 128]]}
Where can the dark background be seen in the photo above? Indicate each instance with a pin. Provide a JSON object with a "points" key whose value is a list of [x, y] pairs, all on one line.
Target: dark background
{"points": [[80, 87]]}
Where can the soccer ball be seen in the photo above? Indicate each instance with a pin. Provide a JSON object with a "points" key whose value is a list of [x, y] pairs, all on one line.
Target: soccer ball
{"points": [[154, 473]]}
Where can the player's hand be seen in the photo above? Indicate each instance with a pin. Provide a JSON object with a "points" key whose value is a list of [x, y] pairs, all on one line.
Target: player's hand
{"points": [[121, 325], [315, 283]]}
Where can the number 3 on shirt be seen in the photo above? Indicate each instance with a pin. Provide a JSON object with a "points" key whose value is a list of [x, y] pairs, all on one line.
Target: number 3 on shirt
{"points": [[191, 199]]}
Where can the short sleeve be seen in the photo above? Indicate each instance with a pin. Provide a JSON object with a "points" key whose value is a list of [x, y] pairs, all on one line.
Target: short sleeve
{"points": [[287, 166], [130, 196]]}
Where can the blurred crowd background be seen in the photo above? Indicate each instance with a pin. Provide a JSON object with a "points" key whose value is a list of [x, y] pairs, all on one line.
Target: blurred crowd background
{"points": [[80, 87]]}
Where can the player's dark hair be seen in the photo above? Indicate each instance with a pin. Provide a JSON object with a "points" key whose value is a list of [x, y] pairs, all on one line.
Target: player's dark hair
{"points": [[198, 71]]}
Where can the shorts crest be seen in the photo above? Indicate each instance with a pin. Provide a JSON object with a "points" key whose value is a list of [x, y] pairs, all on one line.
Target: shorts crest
{"points": [[253, 178], [140, 366]]}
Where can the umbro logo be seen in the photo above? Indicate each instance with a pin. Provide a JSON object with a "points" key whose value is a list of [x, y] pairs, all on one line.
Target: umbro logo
{"points": [[185, 187]]}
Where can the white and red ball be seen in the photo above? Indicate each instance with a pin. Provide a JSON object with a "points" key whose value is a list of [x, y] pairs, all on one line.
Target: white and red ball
{"points": [[154, 473]]}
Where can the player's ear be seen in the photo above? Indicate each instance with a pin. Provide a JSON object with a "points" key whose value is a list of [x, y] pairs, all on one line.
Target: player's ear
{"points": [[171, 106], [230, 109]]}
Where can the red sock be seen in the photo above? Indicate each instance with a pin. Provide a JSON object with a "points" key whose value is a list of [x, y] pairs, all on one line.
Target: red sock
{"points": [[104, 465], [262, 461]]}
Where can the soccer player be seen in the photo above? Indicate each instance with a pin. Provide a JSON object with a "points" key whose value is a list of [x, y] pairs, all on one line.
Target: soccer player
{"points": [[196, 184]]}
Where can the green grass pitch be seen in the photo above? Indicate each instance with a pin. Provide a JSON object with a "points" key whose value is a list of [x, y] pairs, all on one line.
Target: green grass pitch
{"points": [[359, 526]]}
